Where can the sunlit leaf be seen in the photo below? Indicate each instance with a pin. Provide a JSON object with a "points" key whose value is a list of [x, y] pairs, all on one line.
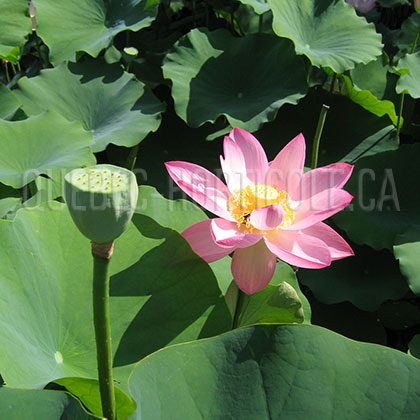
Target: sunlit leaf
{"points": [[328, 32]]}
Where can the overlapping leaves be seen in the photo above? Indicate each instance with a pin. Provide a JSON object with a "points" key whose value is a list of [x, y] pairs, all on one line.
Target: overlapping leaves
{"points": [[88, 25], [108, 101], [212, 75]]}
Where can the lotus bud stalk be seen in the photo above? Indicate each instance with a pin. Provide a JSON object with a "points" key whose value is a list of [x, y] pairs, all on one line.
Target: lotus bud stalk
{"points": [[101, 200]]}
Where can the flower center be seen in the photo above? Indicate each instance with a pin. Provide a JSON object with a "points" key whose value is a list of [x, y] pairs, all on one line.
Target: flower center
{"points": [[254, 196]]}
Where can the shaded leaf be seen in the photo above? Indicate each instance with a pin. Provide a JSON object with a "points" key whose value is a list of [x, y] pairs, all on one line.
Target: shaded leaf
{"points": [[366, 280], [414, 346], [386, 198], [407, 34], [87, 390], [407, 252], [383, 141], [212, 75], [291, 371], [24, 404], [346, 319], [399, 315]]}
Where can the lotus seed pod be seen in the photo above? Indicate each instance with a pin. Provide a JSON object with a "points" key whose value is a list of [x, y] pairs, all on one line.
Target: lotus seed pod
{"points": [[101, 200]]}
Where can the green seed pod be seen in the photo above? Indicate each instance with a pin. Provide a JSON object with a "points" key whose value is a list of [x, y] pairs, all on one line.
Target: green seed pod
{"points": [[101, 200]]}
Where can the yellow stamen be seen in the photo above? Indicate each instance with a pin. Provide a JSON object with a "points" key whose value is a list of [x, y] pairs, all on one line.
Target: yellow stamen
{"points": [[243, 202]]}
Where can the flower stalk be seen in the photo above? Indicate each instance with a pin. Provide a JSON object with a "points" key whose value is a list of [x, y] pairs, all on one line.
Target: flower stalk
{"points": [[318, 133], [101, 317], [240, 300], [101, 200]]}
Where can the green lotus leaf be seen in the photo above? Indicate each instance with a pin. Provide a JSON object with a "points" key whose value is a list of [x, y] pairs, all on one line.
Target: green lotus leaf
{"points": [[370, 102], [108, 101], [267, 372], [10, 199], [407, 34], [328, 32], [273, 305], [40, 145], [88, 25], [409, 82], [9, 104], [383, 141], [366, 280], [161, 293], [346, 319], [212, 74], [25, 404], [414, 346], [386, 199], [260, 6], [406, 250], [16, 25], [400, 315], [88, 391], [175, 214], [347, 126]]}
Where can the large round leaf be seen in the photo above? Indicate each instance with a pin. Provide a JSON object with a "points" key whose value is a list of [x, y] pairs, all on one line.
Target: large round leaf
{"points": [[41, 145], [10, 199], [346, 319], [176, 214], [88, 25], [407, 251], [107, 100], [278, 372], [16, 25], [23, 404], [9, 104], [213, 74], [409, 80], [161, 293], [366, 280], [386, 199], [260, 6], [328, 32]]}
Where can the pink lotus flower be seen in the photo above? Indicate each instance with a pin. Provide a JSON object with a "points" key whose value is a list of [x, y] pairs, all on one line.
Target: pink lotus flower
{"points": [[266, 211], [362, 6]]}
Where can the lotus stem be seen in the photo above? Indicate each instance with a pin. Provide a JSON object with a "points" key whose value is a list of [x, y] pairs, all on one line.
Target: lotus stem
{"points": [[260, 23], [334, 79], [240, 300], [132, 157], [318, 133], [102, 254], [7, 72]]}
